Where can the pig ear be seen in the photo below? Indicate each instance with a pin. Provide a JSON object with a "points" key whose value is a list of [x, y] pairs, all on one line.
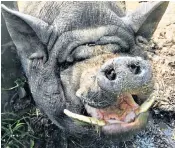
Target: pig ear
{"points": [[145, 19], [29, 34]]}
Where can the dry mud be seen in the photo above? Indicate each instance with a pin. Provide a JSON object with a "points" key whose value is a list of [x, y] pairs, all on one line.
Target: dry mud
{"points": [[163, 60], [160, 131], [162, 57]]}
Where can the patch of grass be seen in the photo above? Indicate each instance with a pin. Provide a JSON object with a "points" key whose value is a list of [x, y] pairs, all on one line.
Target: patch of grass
{"points": [[20, 82], [16, 128], [16, 131]]}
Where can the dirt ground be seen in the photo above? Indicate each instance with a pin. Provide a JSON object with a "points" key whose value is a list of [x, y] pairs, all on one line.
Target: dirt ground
{"points": [[160, 131], [162, 57], [163, 60]]}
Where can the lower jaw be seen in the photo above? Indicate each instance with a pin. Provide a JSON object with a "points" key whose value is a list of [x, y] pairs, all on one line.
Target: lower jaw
{"points": [[122, 128], [118, 128]]}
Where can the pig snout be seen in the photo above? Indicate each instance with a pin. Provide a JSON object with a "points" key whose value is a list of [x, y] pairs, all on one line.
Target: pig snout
{"points": [[124, 74]]}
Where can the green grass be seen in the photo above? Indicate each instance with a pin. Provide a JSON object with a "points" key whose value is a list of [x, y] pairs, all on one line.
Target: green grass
{"points": [[16, 131], [20, 82]]}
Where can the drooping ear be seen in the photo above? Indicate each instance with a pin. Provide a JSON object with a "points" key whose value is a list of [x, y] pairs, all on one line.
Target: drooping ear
{"points": [[145, 19], [29, 34]]}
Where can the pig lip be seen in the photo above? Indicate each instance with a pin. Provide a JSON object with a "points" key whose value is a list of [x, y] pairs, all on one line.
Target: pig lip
{"points": [[123, 110], [115, 121], [120, 128], [120, 117]]}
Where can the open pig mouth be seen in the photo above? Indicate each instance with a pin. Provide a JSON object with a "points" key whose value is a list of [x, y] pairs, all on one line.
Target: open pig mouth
{"points": [[123, 116]]}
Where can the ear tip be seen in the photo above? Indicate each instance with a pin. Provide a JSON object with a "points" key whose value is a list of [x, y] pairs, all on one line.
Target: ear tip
{"points": [[166, 2], [162, 3], [4, 8]]}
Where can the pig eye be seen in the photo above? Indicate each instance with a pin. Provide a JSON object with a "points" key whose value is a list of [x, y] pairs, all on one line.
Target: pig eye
{"points": [[91, 44], [65, 65], [68, 64]]}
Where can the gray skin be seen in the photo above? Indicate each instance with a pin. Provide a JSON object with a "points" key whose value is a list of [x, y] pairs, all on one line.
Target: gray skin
{"points": [[49, 45]]}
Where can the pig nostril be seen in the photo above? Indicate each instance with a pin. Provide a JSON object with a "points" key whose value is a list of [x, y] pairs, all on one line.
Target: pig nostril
{"points": [[110, 74], [134, 68]]}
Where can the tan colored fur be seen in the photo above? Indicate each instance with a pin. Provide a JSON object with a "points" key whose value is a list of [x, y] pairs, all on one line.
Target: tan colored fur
{"points": [[88, 70]]}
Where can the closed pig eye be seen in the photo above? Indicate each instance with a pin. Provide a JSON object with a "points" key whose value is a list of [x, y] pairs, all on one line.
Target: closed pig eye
{"points": [[67, 64], [87, 51], [91, 49]]}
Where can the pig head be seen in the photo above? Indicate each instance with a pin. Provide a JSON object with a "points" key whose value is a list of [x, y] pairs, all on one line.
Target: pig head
{"points": [[87, 58]]}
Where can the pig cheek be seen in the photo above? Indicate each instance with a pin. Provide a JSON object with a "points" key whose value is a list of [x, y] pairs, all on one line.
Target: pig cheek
{"points": [[88, 82]]}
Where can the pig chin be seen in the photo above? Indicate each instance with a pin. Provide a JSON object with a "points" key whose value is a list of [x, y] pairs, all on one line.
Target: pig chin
{"points": [[120, 117]]}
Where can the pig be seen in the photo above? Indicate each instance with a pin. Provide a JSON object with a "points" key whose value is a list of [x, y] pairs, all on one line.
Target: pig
{"points": [[85, 64]]}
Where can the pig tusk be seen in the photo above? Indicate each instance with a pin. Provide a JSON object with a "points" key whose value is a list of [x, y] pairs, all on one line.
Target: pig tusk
{"points": [[146, 105], [86, 119]]}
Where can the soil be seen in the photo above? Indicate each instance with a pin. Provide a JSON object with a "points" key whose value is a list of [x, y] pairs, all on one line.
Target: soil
{"points": [[162, 57], [160, 131], [163, 63]]}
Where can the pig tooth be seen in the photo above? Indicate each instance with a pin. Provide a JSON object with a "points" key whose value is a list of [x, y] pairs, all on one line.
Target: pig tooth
{"points": [[146, 105], [115, 121], [83, 118]]}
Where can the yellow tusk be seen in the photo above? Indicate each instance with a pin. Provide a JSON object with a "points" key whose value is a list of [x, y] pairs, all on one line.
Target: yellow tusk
{"points": [[147, 104], [86, 119]]}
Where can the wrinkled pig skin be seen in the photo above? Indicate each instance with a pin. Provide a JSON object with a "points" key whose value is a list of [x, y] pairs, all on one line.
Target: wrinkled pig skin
{"points": [[78, 54]]}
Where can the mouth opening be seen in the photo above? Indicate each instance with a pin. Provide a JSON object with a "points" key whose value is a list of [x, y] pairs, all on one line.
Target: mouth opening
{"points": [[136, 99], [84, 112], [124, 115], [123, 110]]}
